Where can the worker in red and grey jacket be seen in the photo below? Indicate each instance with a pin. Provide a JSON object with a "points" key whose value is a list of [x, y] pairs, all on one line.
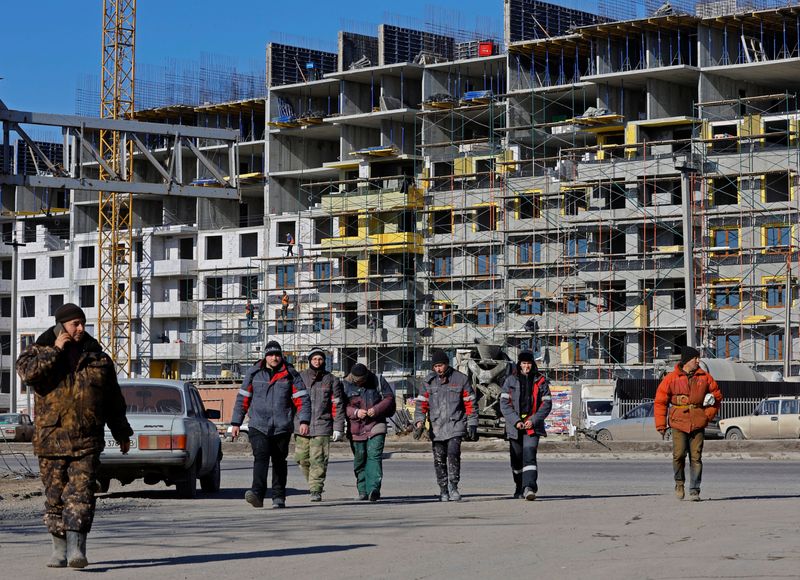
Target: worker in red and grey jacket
{"points": [[271, 394], [448, 399], [525, 402]]}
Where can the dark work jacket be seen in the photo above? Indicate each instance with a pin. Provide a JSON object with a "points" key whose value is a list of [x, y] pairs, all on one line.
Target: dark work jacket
{"points": [[375, 393], [449, 404], [327, 403], [271, 399], [509, 405], [72, 406]]}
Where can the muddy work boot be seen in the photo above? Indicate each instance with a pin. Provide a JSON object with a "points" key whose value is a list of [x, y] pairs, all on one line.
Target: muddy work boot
{"points": [[444, 494], [76, 550], [679, 490], [316, 496], [58, 559], [252, 498], [455, 495], [529, 494], [694, 495]]}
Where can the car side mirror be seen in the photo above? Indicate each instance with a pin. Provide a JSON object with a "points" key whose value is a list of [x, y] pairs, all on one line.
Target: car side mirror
{"points": [[213, 414]]}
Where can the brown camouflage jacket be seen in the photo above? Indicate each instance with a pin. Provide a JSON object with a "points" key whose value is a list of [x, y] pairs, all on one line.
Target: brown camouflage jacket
{"points": [[72, 405]]}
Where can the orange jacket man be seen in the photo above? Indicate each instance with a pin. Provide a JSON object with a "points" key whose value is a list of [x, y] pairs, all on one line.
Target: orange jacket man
{"points": [[693, 398]]}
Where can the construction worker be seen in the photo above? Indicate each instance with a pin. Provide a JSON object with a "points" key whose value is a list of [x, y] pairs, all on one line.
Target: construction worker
{"points": [[272, 394], [289, 244], [76, 393], [327, 422], [448, 400], [525, 402], [285, 305], [370, 402], [693, 398], [248, 313]]}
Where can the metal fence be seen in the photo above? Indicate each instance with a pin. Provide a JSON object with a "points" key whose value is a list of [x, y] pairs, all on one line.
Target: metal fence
{"points": [[730, 407]]}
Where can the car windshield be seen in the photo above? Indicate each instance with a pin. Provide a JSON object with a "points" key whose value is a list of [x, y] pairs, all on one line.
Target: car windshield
{"points": [[599, 407], [11, 419], [153, 399]]}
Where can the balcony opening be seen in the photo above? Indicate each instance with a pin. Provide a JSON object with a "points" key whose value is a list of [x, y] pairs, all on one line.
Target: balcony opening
{"points": [[776, 188], [186, 248]]}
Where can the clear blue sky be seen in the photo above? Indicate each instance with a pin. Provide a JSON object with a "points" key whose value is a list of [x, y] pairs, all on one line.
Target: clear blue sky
{"points": [[49, 45]]}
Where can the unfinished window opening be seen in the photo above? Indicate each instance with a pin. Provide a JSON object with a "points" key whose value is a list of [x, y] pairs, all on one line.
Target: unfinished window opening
{"points": [[442, 221], [323, 228], [185, 249], [486, 219], [285, 230], [574, 201], [776, 188], [349, 267], [348, 225], [441, 314], [724, 138], [614, 348], [186, 289], [322, 319], [29, 269], [214, 248], [28, 306], [248, 245], [56, 301], [57, 267], [776, 132], [528, 206], [407, 221], [350, 314], [213, 287], [5, 269], [725, 191], [248, 287]]}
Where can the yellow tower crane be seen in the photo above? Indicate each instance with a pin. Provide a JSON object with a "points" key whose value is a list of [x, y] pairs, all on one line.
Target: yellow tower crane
{"points": [[114, 226]]}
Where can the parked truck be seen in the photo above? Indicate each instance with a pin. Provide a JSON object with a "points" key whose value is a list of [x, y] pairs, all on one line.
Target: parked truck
{"points": [[592, 403]]}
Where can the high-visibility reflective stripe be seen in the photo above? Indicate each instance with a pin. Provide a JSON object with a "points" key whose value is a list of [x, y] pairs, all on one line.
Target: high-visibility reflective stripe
{"points": [[505, 396], [421, 398], [516, 471], [299, 394], [245, 393], [469, 398], [529, 468], [547, 398]]}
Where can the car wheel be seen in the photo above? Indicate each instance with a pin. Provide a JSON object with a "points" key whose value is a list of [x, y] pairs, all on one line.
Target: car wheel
{"points": [[604, 435], [187, 488], [734, 434], [210, 483], [103, 483]]}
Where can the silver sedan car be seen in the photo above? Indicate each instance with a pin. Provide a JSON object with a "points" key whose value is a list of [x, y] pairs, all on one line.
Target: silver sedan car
{"points": [[173, 439]]}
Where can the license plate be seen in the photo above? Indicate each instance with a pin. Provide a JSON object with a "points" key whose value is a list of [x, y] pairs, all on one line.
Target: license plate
{"points": [[113, 443]]}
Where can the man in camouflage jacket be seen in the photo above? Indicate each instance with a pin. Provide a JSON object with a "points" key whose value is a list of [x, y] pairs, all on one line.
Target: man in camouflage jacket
{"points": [[76, 394]]}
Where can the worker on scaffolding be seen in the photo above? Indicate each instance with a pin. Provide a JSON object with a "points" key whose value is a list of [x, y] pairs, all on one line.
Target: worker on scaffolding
{"points": [[285, 306], [327, 422], [525, 402], [448, 400], [248, 313], [289, 244]]}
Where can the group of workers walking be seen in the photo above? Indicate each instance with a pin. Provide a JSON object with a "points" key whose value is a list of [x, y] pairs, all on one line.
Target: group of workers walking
{"points": [[76, 394]]}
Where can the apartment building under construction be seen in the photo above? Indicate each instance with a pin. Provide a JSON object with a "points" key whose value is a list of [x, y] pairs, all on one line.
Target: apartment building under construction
{"points": [[601, 191]]}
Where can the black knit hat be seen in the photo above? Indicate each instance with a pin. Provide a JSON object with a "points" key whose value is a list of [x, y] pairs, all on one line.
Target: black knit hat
{"points": [[316, 351], [525, 356], [273, 347], [688, 353], [69, 311], [439, 357], [359, 370]]}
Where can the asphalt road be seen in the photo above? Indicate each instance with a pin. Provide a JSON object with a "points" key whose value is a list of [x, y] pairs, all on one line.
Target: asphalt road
{"points": [[592, 519]]}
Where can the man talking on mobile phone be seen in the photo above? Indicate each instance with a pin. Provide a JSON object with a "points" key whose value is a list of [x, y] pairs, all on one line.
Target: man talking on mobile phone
{"points": [[76, 394]]}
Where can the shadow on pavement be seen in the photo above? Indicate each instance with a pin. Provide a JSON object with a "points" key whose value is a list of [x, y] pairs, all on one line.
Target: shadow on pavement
{"points": [[207, 558], [748, 497]]}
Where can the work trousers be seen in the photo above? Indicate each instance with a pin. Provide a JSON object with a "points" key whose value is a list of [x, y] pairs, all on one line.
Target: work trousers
{"points": [[447, 462], [691, 443], [268, 448], [69, 486], [368, 463], [311, 454], [523, 460]]}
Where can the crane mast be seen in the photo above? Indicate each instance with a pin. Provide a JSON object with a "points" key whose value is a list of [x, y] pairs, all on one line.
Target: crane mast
{"points": [[114, 226]]}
